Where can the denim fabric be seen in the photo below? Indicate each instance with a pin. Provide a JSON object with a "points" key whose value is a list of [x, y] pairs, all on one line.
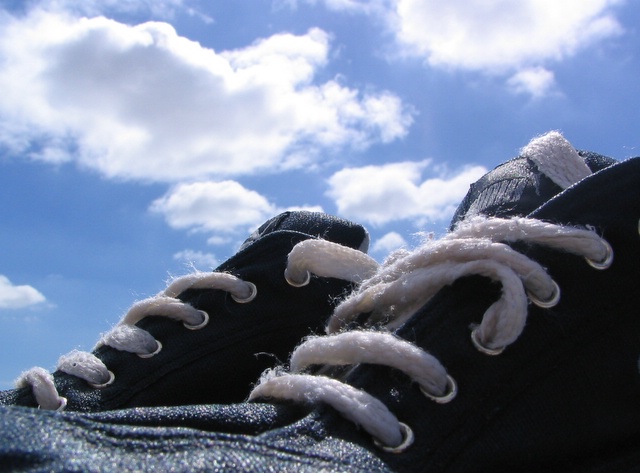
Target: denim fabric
{"points": [[563, 398], [131, 440]]}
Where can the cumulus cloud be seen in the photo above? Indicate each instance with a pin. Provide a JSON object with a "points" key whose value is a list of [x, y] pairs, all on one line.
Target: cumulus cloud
{"points": [[503, 37], [224, 209], [398, 191], [142, 102], [220, 207], [498, 35], [18, 297], [388, 242]]}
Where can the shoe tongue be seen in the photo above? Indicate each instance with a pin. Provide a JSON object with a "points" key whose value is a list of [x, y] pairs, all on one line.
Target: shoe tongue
{"points": [[546, 166], [315, 224]]}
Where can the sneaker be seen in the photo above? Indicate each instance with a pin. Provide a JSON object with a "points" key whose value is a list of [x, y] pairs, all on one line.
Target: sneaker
{"points": [[207, 336], [510, 344]]}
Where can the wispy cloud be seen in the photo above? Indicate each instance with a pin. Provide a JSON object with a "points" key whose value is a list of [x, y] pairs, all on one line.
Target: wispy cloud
{"points": [[198, 259], [141, 102], [537, 82], [18, 296], [156, 8], [351, 6], [398, 191]]}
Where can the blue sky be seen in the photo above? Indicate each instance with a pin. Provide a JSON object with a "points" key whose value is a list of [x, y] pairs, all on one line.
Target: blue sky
{"points": [[141, 138]]}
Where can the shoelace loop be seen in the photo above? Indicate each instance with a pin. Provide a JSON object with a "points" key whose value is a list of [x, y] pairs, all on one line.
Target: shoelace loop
{"points": [[404, 284], [128, 337], [326, 259]]}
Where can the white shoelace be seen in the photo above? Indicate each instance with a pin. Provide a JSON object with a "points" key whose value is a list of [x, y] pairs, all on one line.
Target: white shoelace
{"points": [[404, 284], [408, 280], [320, 257]]}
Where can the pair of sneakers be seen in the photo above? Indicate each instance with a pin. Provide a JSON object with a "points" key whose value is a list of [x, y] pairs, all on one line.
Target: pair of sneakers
{"points": [[510, 344]]}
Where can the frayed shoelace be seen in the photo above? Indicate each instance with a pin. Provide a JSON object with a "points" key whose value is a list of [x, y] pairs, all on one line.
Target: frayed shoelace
{"points": [[404, 283], [319, 257]]}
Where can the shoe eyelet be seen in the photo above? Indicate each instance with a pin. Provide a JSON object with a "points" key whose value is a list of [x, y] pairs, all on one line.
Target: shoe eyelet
{"points": [[448, 396], [481, 348], [154, 353], [62, 404], [608, 258], [407, 440], [111, 379], [250, 297], [291, 282], [204, 323], [546, 304]]}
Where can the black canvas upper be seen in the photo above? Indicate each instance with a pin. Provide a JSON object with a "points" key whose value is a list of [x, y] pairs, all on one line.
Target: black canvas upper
{"points": [[564, 397], [219, 363], [516, 187]]}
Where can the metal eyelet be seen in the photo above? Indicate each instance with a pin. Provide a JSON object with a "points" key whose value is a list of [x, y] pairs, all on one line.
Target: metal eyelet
{"points": [[481, 348], [293, 283], [608, 258], [448, 396], [62, 404], [111, 379], [204, 323], [154, 353], [407, 440], [250, 297], [552, 301]]}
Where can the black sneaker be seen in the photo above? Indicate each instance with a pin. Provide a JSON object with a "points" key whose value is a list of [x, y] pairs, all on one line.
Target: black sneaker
{"points": [[545, 167], [469, 359], [208, 336]]}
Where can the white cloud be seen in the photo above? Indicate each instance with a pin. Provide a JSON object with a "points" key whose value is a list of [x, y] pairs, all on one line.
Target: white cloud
{"points": [[18, 297], [536, 81], [220, 207], [397, 191], [141, 102], [224, 209], [218, 240], [197, 258], [516, 38], [388, 243], [501, 34], [308, 208]]}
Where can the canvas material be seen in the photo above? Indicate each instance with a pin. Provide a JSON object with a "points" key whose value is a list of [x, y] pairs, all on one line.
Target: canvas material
{"points": [[562, 398], [218, 363]]}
